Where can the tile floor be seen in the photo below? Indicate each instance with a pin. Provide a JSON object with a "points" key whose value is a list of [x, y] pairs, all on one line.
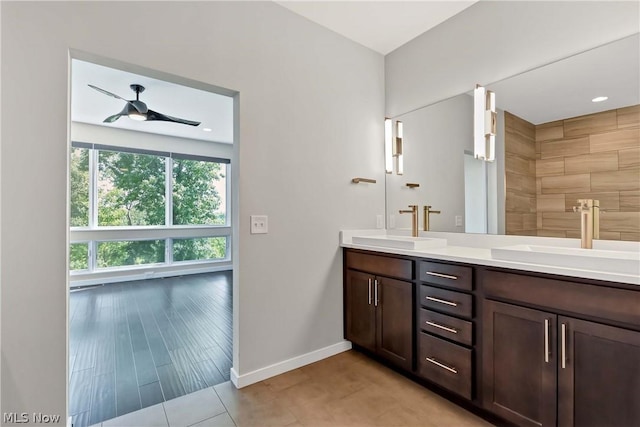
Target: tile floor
{"points": [[348, 389]]}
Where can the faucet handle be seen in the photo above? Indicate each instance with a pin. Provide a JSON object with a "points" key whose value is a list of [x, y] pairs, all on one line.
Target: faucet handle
{"points": [[585, 204]]}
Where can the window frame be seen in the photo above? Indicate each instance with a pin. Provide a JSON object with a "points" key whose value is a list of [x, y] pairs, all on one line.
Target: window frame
{"points": [[94, 233]]}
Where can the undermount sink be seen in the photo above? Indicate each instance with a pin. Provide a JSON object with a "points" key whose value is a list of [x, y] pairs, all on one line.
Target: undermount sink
{"points": [[622, 262], [400, 242]]}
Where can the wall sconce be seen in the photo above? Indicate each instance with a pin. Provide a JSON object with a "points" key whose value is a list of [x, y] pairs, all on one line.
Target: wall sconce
{"points": [[398, 147], [388, 155], [484, 124], [393, 147]]}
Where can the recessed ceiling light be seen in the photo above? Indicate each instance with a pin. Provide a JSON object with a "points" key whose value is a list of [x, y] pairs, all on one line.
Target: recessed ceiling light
{"points": [[599, 98], [206, 129]]}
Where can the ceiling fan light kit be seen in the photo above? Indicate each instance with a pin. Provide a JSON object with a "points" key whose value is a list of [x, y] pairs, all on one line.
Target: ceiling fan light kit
{"points": [[137, 110]]}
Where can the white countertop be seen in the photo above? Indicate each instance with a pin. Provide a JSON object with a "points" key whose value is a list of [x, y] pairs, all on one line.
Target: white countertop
{"points": [[476, 249]]}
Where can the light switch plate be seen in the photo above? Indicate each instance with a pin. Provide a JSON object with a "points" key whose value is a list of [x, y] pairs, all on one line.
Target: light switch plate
{"points": [[259, 224]]}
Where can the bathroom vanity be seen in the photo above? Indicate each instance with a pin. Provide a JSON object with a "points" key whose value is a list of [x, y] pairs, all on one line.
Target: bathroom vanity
{"points": [[528, 343]]}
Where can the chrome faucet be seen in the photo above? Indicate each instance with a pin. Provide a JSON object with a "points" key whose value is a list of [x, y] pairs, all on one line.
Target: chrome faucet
{"points": [[414, 220], [425, 217], [589, 210]]}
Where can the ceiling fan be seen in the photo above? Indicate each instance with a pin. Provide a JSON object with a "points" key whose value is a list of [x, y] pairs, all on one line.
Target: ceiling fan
{"points": [[137, 110]]}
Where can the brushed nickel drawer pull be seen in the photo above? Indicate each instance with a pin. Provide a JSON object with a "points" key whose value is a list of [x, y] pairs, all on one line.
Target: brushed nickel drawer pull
{"points": [[444, 276], [443, 366], [435, 325], [369, 290], [441, 301]]}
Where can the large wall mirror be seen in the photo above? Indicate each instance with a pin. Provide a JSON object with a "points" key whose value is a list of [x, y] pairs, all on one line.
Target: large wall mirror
{"points": [[554, 145]]}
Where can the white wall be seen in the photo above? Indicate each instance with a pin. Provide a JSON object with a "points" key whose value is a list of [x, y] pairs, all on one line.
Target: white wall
{"points": [[310, 106], [492, 40], [435, 138]]}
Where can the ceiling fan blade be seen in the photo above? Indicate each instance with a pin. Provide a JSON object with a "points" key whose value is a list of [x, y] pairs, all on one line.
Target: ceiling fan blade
{"points": [[135, 104], [106, 92], [113, 118], [154, 115]]}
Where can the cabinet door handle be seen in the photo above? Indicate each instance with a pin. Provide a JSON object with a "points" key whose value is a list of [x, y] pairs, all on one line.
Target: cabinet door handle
{"points": [[435, 325], [444, 276], [563, 330], [441, 301], [546, 340], [375, 287], [442, 365], [369, 290]]}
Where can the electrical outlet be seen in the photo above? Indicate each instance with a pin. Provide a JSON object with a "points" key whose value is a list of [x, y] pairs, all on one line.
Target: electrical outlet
{"points": [[259, 224], [458, 220], [379, 221], [392, 221]]}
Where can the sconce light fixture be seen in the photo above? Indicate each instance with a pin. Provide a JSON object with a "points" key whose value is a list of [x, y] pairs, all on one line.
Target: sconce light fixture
{"points": [[393, 147], [484, 124], [388, 155], [397, 149]]}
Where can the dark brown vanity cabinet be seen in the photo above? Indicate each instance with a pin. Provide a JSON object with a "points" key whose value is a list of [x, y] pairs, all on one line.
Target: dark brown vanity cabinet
{"points": [[541, 368], [378, 305], [445, 326], [533, 349]]}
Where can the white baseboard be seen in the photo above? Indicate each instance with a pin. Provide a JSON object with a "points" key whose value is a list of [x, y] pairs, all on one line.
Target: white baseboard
{"points": [[287, 365]]}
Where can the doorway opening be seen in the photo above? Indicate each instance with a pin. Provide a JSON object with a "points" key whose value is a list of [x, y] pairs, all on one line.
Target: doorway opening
{"points": [[150, 238]]}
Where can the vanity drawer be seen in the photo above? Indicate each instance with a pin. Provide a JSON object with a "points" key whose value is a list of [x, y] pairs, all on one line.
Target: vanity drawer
{"points": [[446, 364], [451, 276], [446, 326], [620, 305], [382, 265], [445, 301]]}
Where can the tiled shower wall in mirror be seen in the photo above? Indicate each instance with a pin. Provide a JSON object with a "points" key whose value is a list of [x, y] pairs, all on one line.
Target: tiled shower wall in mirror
{"points": [[596, 156]]}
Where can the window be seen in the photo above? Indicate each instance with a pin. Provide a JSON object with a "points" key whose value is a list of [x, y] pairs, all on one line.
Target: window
{"points": [[173, 206], [136, 252], [79, 256], [199, 249], [197, 190], [131, 189], [79, 177]]}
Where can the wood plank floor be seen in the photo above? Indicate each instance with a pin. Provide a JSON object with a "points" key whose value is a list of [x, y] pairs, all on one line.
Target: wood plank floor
{"points": [[136, 344]]}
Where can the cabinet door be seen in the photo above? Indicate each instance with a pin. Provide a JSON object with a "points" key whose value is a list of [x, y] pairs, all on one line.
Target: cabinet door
{"points": [[394, 321], [360, 310], [519, 364], [599, 375]]}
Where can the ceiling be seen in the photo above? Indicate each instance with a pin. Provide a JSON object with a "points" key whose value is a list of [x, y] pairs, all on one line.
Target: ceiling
{"points": [[565, 88], [379, 25]]}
